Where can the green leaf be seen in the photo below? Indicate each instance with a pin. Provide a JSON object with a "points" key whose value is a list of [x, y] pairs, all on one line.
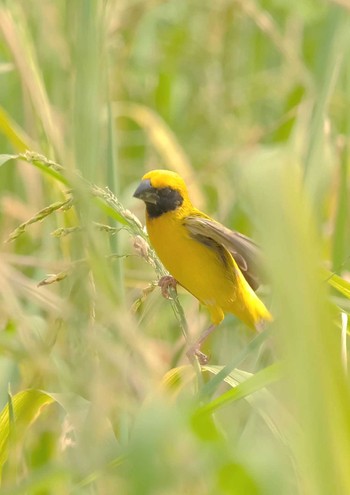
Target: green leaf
{"points": [[25, 407], [6, 158], [39, 161], [252, 384], [262, 400], [14, 133], [339, 284], [210, 387]]}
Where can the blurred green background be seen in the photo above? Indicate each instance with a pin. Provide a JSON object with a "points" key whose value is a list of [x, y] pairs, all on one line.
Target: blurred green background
{"points": [[247, 100]]}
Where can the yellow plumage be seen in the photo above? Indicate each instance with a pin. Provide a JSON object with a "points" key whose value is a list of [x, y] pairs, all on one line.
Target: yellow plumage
{"points": [[190, 249]]}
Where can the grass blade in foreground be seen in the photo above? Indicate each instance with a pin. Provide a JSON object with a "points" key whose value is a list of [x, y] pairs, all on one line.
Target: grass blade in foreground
{"points": [[316, 388], [25, 408]]}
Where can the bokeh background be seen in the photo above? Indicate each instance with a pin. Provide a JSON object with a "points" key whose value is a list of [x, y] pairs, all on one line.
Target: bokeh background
{"points": [[249, 101]]}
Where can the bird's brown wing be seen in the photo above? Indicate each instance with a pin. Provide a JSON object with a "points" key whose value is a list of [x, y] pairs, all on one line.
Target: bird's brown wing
{"points": [[245, 252]]}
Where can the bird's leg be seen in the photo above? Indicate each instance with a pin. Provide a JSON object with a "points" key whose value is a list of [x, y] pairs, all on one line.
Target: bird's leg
{"points": [[164, 283], [195, 349]]}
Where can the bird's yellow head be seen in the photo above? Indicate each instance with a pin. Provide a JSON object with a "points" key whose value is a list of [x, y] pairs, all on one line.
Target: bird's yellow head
{"points": [[162, 191]]}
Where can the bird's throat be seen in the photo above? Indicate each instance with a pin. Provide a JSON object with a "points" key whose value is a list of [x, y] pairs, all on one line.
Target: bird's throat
{"points": [[168, 200]]}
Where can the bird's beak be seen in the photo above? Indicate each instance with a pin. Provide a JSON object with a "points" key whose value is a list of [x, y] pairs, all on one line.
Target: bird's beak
{"points": [[146, 192]]}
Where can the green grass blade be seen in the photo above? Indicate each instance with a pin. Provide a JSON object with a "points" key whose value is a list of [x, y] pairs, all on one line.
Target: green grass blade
{"points": [[26, 407], [252, 384]]}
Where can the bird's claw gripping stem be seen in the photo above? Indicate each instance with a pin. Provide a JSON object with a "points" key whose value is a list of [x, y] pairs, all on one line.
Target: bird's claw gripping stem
{"points": [[195, 351], [164, 283]]}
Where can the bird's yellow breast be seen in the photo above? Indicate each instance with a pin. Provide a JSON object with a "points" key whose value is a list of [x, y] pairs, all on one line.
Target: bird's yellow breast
{"points": [[197, 267]]}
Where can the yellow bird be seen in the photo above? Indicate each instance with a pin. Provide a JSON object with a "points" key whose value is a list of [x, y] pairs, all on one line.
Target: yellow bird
{"points": [[216, 265]]}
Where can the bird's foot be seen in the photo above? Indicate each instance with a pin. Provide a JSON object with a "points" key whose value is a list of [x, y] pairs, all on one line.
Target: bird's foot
{"points": [[195, 351], [165, 283]]}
